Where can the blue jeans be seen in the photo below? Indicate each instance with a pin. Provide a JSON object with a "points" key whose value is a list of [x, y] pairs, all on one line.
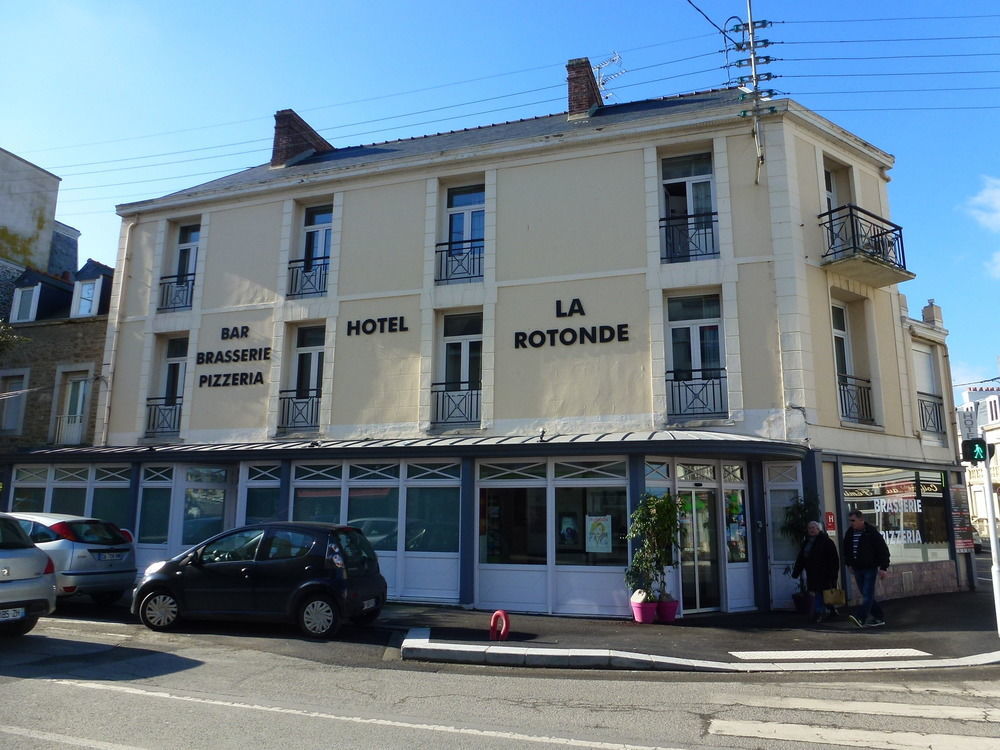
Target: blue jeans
{"points": [[865, 579]]}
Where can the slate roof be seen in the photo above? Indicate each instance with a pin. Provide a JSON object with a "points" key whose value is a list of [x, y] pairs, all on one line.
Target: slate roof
{"points": [[534, 128]]}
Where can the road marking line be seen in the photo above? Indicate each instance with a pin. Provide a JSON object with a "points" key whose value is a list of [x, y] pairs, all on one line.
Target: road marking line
{"points": [[513, 736], [957, 713], [871, 740], [64, 739], [861, 653]]}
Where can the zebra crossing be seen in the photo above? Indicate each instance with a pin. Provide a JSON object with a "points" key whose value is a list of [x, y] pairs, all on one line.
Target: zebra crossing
{"points": [[924, 717]]}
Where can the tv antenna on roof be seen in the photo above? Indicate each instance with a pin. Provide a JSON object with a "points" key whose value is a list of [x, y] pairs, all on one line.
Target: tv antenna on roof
{"points": [[603, 80]]}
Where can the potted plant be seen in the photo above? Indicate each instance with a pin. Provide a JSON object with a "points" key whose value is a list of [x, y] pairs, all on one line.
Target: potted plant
{"points": [[798, 514], [653, 527]]}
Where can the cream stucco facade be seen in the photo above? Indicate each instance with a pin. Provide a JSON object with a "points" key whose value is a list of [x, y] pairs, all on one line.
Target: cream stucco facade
{"points": [[641, 270]]}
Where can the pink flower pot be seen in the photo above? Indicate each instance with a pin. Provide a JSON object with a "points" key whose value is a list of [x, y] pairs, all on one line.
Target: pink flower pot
{"points": [[644, 611], [667, 611]]}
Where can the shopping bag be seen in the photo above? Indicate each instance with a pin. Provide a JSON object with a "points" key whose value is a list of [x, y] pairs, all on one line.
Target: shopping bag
{"points": [[834, 597]]}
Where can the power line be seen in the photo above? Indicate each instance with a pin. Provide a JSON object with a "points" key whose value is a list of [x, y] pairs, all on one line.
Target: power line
{"points": [[880, 20], [888, 41]]}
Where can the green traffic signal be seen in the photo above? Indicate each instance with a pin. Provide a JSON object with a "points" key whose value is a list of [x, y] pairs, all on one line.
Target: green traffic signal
{"points": [[975, 450]]}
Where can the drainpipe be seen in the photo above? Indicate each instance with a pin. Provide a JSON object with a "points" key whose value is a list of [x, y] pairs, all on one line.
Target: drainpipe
{"points": [[114, 325]]}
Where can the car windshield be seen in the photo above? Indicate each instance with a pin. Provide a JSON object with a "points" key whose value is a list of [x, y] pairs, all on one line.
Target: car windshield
{"points": [[96, 532], [12, 536]]}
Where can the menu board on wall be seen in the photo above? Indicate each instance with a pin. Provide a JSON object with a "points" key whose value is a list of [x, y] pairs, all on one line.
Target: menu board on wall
{"points": [[961, 521]]}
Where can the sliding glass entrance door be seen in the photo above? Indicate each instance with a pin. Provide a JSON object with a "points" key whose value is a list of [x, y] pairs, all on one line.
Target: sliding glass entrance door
{"points": [[699, 543]]}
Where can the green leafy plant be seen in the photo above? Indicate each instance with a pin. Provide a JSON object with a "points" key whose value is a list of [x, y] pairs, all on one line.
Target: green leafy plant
{"points": [[653, 527]]}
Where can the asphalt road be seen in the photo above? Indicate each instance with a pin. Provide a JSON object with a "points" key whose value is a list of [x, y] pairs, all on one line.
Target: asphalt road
{"points": [[93, 678]]}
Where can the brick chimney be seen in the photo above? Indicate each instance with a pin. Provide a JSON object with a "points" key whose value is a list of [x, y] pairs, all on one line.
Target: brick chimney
{"points": [[584, 94], [294, 140]]}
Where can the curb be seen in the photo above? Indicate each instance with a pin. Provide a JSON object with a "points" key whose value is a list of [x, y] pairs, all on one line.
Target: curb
{"points": [[417, 646]]}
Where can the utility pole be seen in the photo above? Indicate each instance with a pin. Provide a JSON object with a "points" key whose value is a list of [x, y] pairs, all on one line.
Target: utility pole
{"points": [[751, 84]]}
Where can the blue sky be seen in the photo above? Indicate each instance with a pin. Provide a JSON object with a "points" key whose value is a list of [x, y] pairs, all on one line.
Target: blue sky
{"points": [[131, 100]]}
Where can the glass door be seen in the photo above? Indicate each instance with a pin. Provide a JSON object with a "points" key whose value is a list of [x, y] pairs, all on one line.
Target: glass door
{"points": [[699, 543]]}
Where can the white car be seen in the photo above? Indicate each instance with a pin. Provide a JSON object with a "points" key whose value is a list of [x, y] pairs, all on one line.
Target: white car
{"points": [[27, 580], [91, 556]]}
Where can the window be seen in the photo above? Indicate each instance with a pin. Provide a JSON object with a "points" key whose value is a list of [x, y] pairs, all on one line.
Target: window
{"points": [[591, 523], [25, 304], [855, 393], [512, 526], [286, 544], [71, 421], [300, 403], [308, 274], [432, 515], [163, 413], [176, 291], [240, 546], [930, 403], [689, 223], [86, 296], [457, 394], [696, 380], [460, 258], [12, 399]]}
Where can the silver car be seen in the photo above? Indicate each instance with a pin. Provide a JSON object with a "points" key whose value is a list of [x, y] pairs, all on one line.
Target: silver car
{"points": [[92, 556], [27, 580]]}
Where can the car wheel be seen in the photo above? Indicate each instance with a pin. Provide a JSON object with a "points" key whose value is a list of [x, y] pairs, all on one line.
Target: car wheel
{"points": [[107, 598], [20, 627], [319, 616], [367, 618], [159, 611]]}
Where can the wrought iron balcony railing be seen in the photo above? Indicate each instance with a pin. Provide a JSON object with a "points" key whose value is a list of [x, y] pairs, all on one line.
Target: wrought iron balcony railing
{"points": [[931, 412], [690, 237], [456, 402], [851, 230], [696, 393], [176, 292], [855, 399], [163, 416], [307, 276], [299, 409], [458, 261], [69, 429]]}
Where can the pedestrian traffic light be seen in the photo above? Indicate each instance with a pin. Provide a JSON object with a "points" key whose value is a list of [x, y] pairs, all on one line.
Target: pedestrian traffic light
{"points": [[975, 450]]}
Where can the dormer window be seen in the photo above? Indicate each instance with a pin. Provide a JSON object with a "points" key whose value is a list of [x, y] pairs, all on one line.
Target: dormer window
{"points": [[25, 304], [86, 295]]}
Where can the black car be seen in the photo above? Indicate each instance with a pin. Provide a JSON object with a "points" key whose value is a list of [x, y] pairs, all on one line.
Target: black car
{"points": [[315, 574]]}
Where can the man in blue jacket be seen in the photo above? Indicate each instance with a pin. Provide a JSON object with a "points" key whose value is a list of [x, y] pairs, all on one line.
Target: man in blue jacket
{"points": [[867, 555]]}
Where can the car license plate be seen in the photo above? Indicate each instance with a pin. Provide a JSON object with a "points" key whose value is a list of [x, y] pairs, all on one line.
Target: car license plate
{"points": [[102, 556], [15, 613], [368, 604]]}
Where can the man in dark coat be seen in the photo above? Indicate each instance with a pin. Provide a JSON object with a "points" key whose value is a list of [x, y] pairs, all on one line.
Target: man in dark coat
{"points": [[821, 563], [867, 554]]}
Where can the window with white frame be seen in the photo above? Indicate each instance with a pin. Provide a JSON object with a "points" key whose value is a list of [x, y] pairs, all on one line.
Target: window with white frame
{"points": [[930, 401], [86, 296], [25, 305], [300, 401], [689, 222], [460, 257], [457, 393], [854, 392], [696, 378], [307, 274], [71, 418]]}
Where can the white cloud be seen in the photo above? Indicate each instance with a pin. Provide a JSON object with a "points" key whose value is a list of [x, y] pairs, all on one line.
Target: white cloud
{"points": [[985, 205]]}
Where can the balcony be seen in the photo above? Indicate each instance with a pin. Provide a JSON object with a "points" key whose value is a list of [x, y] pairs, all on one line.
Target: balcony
{"points": [[69, 429], [456, 262], [163, 416], [307, 276], [864, 247], [455, 403], [298, 410], [855, 399], [690, 237], [931, 410], [696, 394], [176, 292]]}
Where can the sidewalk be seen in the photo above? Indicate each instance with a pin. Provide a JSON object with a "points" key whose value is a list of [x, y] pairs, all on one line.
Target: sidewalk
{"points": [[943, 630]]}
